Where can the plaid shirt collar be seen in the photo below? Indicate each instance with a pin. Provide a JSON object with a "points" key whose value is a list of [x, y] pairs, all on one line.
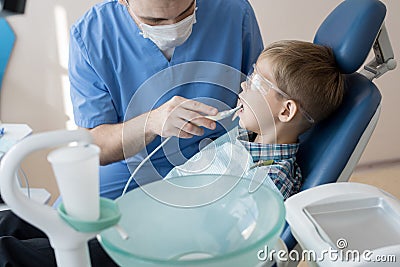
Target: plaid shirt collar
{"points": [[267, 152]]}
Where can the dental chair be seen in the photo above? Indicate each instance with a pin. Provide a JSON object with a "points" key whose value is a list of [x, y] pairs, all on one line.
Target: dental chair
{"points": [[330, 150]]}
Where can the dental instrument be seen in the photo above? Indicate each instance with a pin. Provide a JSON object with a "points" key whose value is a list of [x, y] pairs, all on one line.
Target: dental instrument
{"points": [[221, 115]]}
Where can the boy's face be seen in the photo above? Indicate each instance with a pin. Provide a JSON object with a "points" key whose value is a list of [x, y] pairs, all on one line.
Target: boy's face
{"points": [[260, 102]]}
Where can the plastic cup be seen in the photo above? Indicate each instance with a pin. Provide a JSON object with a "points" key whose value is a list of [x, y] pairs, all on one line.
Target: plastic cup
{"points": [[76, 169]]}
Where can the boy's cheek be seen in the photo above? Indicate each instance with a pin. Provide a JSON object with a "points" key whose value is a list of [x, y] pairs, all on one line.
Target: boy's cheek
{"points": [[248, 120]]}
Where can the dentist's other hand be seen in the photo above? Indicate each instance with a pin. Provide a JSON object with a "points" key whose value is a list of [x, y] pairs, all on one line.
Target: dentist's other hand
{"points": [[181, 117]]}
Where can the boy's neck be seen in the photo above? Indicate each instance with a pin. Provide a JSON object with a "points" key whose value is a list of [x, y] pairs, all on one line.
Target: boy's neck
{"points": [[280, 137], [268, 140]]}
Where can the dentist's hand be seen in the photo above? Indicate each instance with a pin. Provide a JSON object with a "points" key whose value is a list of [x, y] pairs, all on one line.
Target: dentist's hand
{"points": [[181, 117]]}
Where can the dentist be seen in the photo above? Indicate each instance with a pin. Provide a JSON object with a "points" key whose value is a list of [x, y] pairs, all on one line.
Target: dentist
{"points": [[117, 46], [114, 49]]}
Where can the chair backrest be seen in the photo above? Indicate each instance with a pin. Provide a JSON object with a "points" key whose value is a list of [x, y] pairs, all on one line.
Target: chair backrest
{"points": [[328, 149], [350, 30], [7, 38]]}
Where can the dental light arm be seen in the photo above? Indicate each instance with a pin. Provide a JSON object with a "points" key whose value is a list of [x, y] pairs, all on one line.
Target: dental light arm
{"points": [[11, 7], [384, 57]]}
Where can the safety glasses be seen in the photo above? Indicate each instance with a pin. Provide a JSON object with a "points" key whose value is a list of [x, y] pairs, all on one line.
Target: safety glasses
{"points": [[256, 82]]}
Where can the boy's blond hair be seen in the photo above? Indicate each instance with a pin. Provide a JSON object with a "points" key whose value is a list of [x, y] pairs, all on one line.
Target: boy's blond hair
{"points": [[308, 74]]}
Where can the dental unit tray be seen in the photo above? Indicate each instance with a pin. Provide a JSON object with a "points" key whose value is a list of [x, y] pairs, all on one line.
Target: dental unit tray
{"points": [[369, 223], [345, 217]]}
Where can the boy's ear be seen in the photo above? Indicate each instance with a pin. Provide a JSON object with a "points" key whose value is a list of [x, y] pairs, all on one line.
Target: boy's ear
{"points": [[288, 111]]}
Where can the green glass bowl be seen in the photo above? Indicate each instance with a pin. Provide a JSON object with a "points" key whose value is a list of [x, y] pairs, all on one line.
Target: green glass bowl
{"points": [[199, 220], [109, 216]]}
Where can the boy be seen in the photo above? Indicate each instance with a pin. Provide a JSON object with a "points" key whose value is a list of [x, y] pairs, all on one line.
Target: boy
{"points": [[294, 84]]}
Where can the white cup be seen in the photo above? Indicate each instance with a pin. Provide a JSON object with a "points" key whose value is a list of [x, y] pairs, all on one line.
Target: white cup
{"points": [[76, 169]]}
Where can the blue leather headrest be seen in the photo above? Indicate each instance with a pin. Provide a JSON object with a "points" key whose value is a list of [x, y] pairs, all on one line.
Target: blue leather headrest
{"points": [[326, 148], [350, 30]]}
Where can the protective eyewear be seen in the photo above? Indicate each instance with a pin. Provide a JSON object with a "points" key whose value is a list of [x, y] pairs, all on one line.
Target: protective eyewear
{"points": [[256, 82]]}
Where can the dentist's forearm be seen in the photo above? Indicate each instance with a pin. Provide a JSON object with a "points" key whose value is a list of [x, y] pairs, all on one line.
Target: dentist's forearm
{"points": [[178, 117], [122, 140]]}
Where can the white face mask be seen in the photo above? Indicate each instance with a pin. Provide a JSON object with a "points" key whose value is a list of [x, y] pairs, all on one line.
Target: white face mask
{"points": [[168, 36]]}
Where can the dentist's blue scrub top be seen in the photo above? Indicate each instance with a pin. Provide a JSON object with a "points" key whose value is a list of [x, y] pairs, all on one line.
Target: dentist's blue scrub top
{"points": [[111, 63]]}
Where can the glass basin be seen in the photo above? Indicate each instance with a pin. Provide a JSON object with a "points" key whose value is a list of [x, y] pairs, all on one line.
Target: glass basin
{"points": [[199, 220]]}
